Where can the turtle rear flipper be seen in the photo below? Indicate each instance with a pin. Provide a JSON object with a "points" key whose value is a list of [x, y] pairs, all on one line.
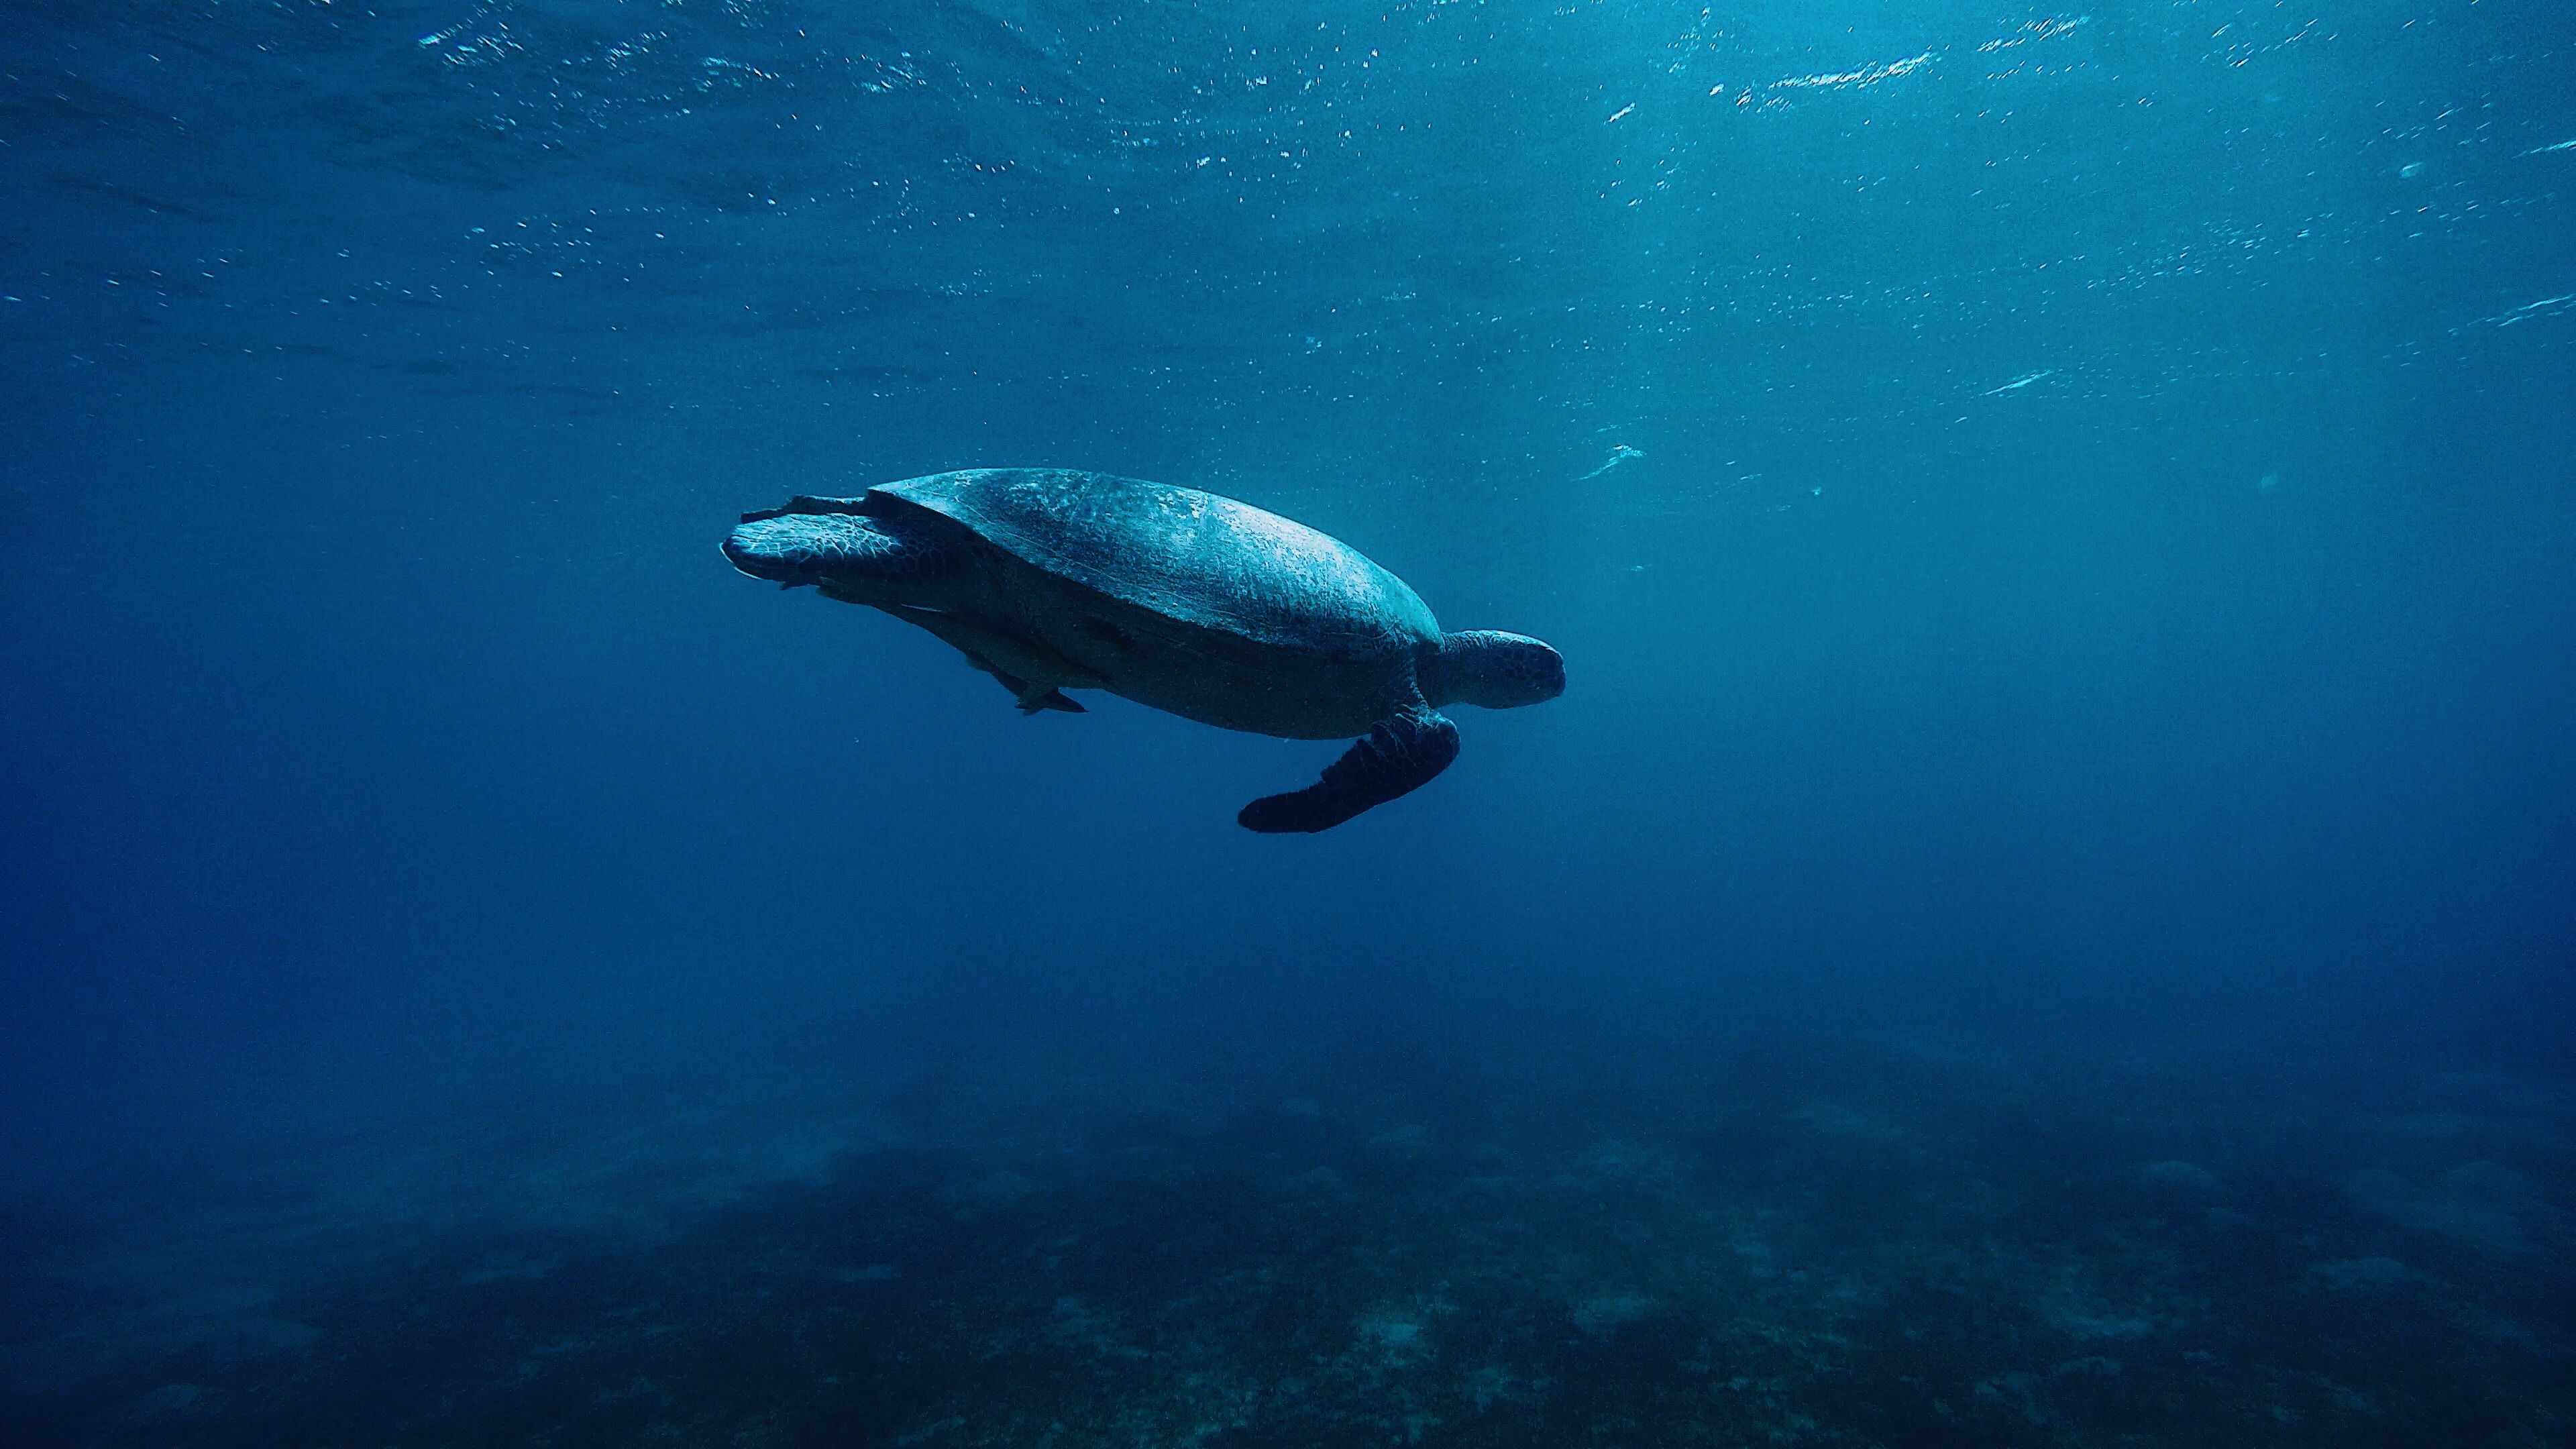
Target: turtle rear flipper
{"points": [[1032, 697], [806, 503], [983, 645], [1398, 756], [854, 558]]}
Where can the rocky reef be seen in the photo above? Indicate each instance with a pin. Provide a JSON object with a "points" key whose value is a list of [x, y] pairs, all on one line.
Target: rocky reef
{"points": [[1787, 1242]]}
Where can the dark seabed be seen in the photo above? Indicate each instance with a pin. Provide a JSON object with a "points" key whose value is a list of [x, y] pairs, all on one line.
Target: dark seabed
{"points": [[2044, 916]]}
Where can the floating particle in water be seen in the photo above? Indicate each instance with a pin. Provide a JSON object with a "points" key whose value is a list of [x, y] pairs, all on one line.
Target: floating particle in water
{"points": [[1620, 453], [2411, 170]]}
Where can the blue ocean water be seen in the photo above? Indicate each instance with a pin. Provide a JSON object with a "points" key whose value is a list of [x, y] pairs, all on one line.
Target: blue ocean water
{"points": [[2042, 918]]}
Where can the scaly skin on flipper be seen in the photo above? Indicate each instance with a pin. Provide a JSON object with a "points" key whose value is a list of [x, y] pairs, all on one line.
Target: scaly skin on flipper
{"points": [[1199, 605], [833, 541]]}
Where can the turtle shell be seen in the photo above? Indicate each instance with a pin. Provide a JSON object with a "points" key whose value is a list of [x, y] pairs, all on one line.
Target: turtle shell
{"points": [[1188, 555]]}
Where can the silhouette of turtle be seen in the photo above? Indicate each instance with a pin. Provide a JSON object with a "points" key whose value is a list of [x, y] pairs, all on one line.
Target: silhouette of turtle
{"points": [[1217, 611]]}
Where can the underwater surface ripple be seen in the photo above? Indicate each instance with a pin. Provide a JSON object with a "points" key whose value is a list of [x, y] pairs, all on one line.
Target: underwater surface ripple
{"points": [[2042, 917]]}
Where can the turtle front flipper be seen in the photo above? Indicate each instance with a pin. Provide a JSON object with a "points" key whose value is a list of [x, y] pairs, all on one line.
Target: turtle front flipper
{"points": [[1398, 756]]}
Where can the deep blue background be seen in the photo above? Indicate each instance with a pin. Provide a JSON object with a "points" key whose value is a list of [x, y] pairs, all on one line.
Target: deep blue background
{"points": [[2059, 524]]}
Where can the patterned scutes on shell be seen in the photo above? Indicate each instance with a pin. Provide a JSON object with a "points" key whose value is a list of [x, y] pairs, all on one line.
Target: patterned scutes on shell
{"points": [[1185, 554]]}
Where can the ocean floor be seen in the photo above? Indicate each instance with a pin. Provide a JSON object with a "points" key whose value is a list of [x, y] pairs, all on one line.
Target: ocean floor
{"points": [[1779, 1242]]}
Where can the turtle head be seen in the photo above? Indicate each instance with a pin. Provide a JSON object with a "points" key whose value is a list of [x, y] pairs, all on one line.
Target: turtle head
{"points": [[1492, 669], [799, 548]]}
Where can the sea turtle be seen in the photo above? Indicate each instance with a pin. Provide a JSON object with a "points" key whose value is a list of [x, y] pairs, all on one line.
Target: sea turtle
{"points": [[1051, 579]]}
